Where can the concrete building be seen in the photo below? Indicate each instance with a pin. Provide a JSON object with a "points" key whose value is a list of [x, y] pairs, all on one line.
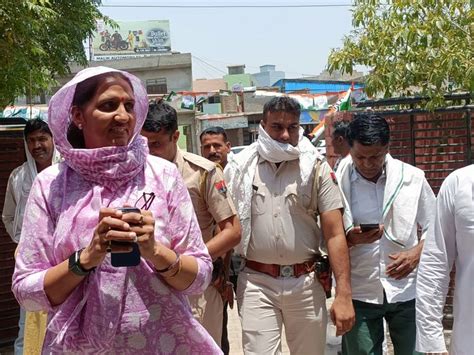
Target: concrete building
{"points": [[213, 104], [221, 108], [161, 74], [237, 79], [209, 85], [267, 76]]}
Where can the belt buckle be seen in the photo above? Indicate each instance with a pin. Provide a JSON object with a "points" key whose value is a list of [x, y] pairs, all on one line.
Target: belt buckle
{"points": [[287, 271]]}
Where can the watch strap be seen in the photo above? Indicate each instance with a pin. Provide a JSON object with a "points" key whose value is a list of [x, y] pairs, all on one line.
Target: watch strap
{"points": [[75, 264]]}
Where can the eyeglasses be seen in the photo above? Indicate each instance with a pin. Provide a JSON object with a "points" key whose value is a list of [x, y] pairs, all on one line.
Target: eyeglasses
{"points": [[146, 200]]}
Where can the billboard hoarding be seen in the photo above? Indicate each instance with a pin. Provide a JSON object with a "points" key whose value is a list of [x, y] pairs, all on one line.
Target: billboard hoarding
{"points": [[131, 39]]}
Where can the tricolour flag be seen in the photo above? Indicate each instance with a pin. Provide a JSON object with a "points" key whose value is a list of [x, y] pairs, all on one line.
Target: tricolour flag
{"points": [[344, 104]]}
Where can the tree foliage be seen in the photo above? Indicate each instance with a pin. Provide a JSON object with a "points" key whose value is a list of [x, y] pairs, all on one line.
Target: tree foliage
{"points": [[419, 47], [39, 38]]}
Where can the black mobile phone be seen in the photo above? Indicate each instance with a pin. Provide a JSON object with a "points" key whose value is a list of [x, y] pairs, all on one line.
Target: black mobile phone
{"points": [[126, 259], [369, 226]]}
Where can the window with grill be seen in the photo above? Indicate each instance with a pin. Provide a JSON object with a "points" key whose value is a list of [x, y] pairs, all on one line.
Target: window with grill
{"points": [[156, 86], [214, 99]]}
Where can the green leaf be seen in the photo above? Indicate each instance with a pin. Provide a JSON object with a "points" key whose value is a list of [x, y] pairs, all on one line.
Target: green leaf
{"points": [[414, 47], [42, 38]]}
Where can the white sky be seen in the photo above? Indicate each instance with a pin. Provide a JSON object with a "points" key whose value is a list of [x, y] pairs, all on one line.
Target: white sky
{"points": [[296, 40]]}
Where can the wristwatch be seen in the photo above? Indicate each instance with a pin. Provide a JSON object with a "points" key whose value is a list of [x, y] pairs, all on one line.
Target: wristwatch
{"points": [[75, 264]]}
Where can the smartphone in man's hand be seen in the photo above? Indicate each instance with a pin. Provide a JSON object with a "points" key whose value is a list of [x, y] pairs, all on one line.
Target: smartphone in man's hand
{"points": [[369, 227]]}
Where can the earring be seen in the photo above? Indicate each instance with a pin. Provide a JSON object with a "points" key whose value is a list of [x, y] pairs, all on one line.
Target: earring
{"points": [[79, 126]]}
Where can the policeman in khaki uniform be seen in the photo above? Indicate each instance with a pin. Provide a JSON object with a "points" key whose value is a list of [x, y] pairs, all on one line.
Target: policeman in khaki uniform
{"points": [[279, 186], [214, 209], [215, 146]]}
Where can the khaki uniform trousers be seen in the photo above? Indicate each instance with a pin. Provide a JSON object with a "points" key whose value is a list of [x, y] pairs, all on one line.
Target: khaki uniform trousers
{"points": [[266, 303], [208, 309]]}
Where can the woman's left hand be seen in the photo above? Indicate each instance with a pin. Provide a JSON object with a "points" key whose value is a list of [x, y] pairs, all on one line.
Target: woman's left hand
{"points": [[144, 226]]}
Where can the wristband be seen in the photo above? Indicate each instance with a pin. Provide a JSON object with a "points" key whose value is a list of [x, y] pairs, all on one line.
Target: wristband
{"points": [[74, 264]]}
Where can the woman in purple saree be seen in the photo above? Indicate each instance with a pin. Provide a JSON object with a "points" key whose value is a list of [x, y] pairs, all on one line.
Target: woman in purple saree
{"points": [[64, 260]]}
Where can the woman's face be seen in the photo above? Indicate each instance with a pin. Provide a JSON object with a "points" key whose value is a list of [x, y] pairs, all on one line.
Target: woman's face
{"points": [[108, 119]]}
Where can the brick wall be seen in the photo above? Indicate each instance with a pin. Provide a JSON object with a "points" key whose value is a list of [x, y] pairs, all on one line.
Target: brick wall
{"points": [[12, 154]]}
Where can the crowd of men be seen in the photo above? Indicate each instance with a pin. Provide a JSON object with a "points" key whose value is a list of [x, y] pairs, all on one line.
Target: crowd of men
{"points": [[274, 211]]}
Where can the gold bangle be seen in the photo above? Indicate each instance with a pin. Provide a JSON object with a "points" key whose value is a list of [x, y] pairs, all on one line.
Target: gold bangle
{"points": [[180, 265]]}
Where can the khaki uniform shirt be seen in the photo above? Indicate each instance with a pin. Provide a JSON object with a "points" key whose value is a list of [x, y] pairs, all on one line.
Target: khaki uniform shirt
{"points": [[211, 201], [284, 229]]}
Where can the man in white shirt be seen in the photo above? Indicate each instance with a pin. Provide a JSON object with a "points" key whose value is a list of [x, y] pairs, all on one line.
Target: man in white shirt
{"points": [[386, 202], [39, 153], [452, 242]]}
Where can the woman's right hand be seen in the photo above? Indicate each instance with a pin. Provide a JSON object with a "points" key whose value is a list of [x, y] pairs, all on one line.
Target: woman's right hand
{"points": [[110, 227]]}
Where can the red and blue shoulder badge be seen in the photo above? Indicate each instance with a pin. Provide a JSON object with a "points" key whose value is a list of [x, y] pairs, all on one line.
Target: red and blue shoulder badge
{"points": [[221, 187]]}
